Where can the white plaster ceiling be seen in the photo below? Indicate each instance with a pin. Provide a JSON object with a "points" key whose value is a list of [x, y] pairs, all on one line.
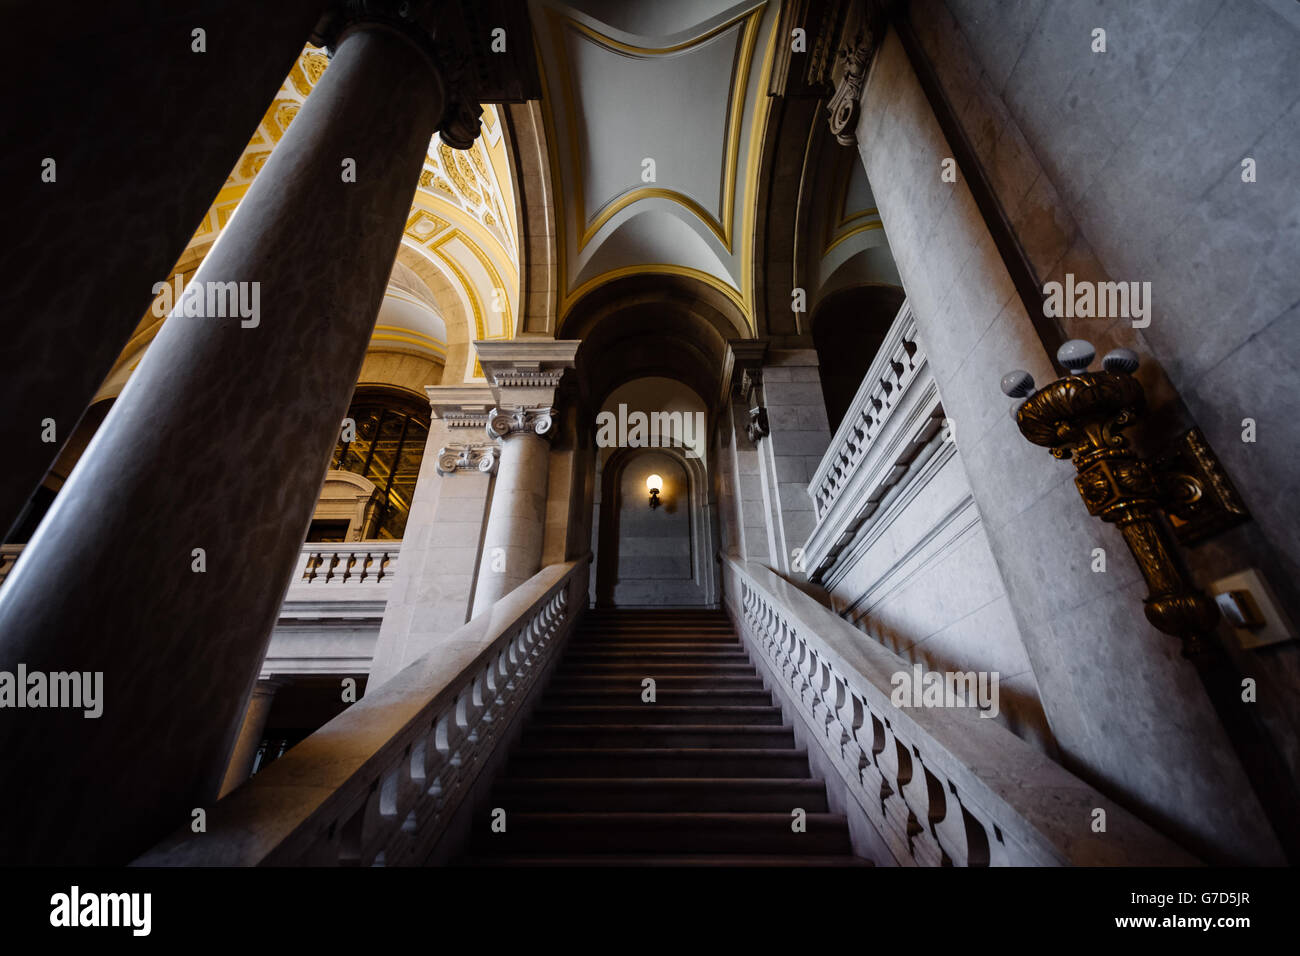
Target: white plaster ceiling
{"points": [[681, 83]]}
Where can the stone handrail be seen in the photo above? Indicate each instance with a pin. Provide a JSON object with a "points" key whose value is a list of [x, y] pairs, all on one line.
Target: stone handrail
{"points": [[896, 365], [941, 784], [381, 783]]}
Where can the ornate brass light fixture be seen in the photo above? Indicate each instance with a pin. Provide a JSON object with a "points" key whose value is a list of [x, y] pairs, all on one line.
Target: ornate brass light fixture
{"points": [[1184, 495], [1082, 417]]}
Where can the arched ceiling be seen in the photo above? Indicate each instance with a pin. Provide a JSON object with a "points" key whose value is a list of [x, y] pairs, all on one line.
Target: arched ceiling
{"points": [[681, 83], [457, 273]]}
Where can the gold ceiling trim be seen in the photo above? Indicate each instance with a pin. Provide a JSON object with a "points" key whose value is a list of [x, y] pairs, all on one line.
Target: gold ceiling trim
{"points": [[865, 227], [721, 226], [837, 218], [757, 133], [661, 268], [425, 343], [743, 297]]}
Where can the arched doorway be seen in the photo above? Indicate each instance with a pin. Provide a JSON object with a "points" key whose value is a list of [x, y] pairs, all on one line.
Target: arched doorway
{"points": [[654, 557]]}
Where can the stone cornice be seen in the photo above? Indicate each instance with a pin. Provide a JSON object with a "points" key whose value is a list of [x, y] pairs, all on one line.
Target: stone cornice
{"points": [[461, 406], [526, 362]]}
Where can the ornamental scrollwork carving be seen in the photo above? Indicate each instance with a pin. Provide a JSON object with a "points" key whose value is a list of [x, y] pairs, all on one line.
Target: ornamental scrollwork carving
{"points": [[468, 457], [538, 419]]}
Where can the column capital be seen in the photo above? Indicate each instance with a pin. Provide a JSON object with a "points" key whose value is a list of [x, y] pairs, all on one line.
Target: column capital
{"points": [[507, 420], [467, 456], [862, 32], [456, 38]]}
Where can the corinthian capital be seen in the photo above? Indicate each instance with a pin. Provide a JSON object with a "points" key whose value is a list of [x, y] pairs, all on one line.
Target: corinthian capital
{"points": [[509, 420]]}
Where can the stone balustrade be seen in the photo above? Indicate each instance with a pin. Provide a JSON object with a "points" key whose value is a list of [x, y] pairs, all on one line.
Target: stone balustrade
{"points": [[385, 781], [363, 562], [896, 366], [319, 565], [940, 785], [894, 415]]}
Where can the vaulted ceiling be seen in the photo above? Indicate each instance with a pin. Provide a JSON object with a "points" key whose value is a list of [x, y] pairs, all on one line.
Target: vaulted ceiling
{"points": [[457, 273], [655, 116]]}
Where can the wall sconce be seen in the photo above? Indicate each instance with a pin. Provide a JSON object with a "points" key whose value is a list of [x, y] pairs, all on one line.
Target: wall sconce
{"points": [[1081, 417], [653, 484]]}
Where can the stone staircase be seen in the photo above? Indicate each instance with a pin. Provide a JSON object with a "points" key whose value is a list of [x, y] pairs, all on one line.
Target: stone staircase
{"points": [[707, 774]]}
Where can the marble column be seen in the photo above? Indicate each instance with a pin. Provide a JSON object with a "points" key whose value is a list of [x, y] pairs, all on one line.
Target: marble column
{"points": [[432, 594], [523, 375], [516, 527], [251, 731], [1128, 712], [164, 560], [142, 130]]}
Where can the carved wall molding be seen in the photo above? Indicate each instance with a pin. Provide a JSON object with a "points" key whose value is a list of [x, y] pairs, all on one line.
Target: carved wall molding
{"points": [[862, 32], [519, 378]]}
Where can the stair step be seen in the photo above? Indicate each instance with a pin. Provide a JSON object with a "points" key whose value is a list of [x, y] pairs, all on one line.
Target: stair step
{"points": [[666, 655], [706, 775], [658, 762], [587, 645], [659, 713], [662, 794], [662, 833], [725, 681], [622, 693], [655, 669], [658, 736]]}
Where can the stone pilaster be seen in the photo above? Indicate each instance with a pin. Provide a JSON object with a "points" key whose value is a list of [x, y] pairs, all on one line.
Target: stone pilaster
{"points": [[433, 590], [798, 434]]}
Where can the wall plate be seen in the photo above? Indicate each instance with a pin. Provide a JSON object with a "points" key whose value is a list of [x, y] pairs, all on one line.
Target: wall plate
{"points": [[1277, 626]]}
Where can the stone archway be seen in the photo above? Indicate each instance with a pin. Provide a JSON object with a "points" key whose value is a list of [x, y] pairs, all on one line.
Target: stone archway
{"points": [[661, 557]]}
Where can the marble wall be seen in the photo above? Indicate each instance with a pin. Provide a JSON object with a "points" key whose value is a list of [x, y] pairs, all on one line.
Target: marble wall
{"points": [[1128, 713]]}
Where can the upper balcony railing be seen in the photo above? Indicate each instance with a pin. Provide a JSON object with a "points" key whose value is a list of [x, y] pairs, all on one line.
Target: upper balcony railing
{"points": [[354, 562], [941, 785], [385, 781], [320, 565], [894, 415], [896, 366]]}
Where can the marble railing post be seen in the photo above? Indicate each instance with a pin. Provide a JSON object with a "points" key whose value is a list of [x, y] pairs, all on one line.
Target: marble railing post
{"points": [[523, 376], [141, 130], [165, 558], [251, 730]]}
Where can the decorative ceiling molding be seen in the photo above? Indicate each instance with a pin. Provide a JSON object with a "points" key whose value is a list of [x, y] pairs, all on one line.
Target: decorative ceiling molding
{"points": [[747, 114], [721, 224]]}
